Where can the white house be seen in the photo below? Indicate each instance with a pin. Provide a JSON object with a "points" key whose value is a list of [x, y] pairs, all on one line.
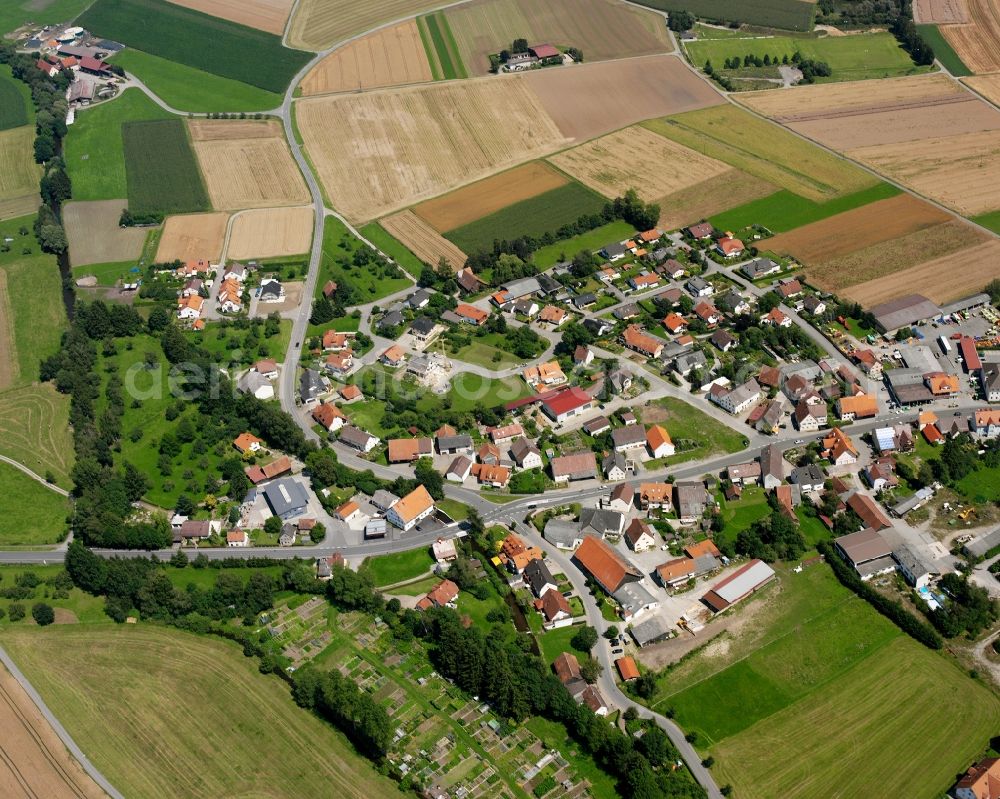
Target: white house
{"points": [[237, 538], [639, 536], [659, 442]]}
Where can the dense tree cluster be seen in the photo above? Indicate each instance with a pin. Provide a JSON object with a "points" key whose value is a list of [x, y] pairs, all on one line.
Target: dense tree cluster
{"points": [[680, 21], [775, 537], [969, 608]]}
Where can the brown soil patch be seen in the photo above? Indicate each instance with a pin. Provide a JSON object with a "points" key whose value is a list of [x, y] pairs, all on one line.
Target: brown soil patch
{"points": [[94, 235], [383, 150], [192, 236], [961, 172], [65, 616], [710, 197], [636, 158], [35, 762], [940, 12], [987, 85], [422, 240], [390, 57], [480, 199], [602, 29], [293, 297], [8, 349], [13, 207], [589, 100], [270, 232], [942, 280], [891, 258], [265, 15], [856, 229], [978, 43], [247, 165], [318, 24]]}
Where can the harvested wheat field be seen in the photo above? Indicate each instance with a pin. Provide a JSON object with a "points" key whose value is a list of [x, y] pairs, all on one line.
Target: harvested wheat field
{"points": [[589, 100], [978, 42], [192, 236], [987, 85], [961, 172], [318, 24], [967, 272], [422, 240], [19, 174], [480, 199], [35, 761], [940, 12], [854, 230], [888, 258], [270, 232], [710, 197], [246, 164], [602, 29], [94, 235], [389, 57], [264, 15], [636, 158], [383, 150]]}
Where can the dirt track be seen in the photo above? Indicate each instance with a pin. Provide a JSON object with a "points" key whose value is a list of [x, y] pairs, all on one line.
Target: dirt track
{"points": [[8, 352]]}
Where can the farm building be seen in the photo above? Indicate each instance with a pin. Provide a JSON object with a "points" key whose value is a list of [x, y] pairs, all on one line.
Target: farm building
{"points": [[904, 311], [867, 552], [566, 404], [607, 567], [742, 583], [651, 631]]}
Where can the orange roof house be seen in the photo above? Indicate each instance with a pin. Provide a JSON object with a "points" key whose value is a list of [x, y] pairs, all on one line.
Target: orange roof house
{"points": [[981, 781], [277, 466], [332, 340], [627, 668], [605, 565], [728, 246], [407, 450], [350, 392], [548, 374], [839, 447], [655, 494], [635, 339], [490, 474], [659, 442], [649, 236], [247, 442], [327, 415], [942, 384], [347, 510], [393, 356], [444, 593], [552, 315], [470, 313], [674, 322], [706, 547], [859, 406]]}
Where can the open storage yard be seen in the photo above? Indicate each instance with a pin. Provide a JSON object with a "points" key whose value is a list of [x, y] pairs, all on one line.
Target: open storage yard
{"points": [[270, 232], [192, 236], [940, 11], [318, 24], [484, 197], [141, 734], [639, 159], [422, 240], [978, 42], [94, 235], [602, 29], [19, 173], [247, 164], [388, 57], [264, 15]]}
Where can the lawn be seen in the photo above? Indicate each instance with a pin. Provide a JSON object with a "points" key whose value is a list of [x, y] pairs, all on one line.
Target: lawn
{"points": [[856, 57], [161, 172], [812, 528], [76, 605], [392, 247], [592, 240], [478, 609], [740, 514], [458, 511], [174, 693], [990, 220], [205, 578], [793, 15], [695, 434], [93, 148], [554, 642], [197, 40], [471, 390], [339, 247], [980, 486], [189, 89], [943, 51], [784, 211], [107, 274], [16, 108], [400, 566], [30, 513], [487, 356], [534, 217]]}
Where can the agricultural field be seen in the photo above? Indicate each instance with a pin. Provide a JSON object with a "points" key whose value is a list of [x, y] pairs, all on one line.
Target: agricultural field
{"points": [[94, 234], [986, 85], [160, 168], [636, 158], [141, 734], [30, 513], [730, 189], [196, 40], [19, 174], [423, 240], [247, 164], [968, 270], [793, 15], [189, 89], [384, 150], [940, 11], [35, 431], [977, 43], [16, 108], [592, 99], [764, 150], [439, 44], [943, 51], [318, 24], [545, 213], [93, 148], [602, 29], [484, 197], [857, 57], [270, 233], [388, 57], [192, 236], [265, 15], [35, 758]]}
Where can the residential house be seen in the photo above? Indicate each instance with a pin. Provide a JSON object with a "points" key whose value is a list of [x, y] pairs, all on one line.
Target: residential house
{"points": [[655, 495], [703, 230], [860, 406], [581, 301], [491, 475], [614, 252], [777, 318], [358, 439], [772, 466], [809, 418], [675, 573], [635, 339], [640, 536], [629, 310], [411, 509], [552, 315], [526, 307], [599, 327], [349, 512], [423, 328], [691, 502], [383, 500], [516, 555], [699, 287], [582, 356], [442, 595], [525, 454], [981, 781], [628, 438], [334, 341], [675, 323], [868, 363], [614, 467], [708, 313], [601, 522], [350, 393], [330, 417], [729, 247], [393, 356], [237, 538], [985, 424], [288, 536], [788, 288], [459, 469], [538, 578], [468, 281], [310, 386], [634, 601], [339, 363], [659, 442], [744, 473], [839, 448], [809, 478], [408, 450], [770, 419], [736, 400], [723, 340], [567, 669], [471, 314], [488, 453], [247, 442], [732, 302], [554, 609], [271, 291], [569, 468], [621, 498], [544, 374], [814, 305], [190, 307], [759, 267], [687, 362], [881, 474], [643, 281]]}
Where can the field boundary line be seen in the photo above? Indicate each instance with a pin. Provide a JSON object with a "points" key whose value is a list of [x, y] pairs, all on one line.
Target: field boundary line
{"points": [[33, 475], [57, 727]]}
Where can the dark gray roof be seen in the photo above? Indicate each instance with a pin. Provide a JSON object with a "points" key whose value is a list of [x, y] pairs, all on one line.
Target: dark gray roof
{"points": [[630, 434], [537, 575], [270, 288], [612, 250], [904, 311], [286, 496], [809, 474], [310, 385], [391, 319], [650, 631], [562, 532], [597, 326], [422, 325], [460, 441], [604, 522], [355, 437], [582, 300]]}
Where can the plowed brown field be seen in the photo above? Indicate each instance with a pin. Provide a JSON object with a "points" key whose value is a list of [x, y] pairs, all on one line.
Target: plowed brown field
{"points": [[270, 232], [967, 272], [265, 15], [710, 197], [477, 200], [978, 42], [422, 240], [856, 229], [636, 158], [386, 149], [191, 237], [389, 57], [94, 235], [940, 11]]}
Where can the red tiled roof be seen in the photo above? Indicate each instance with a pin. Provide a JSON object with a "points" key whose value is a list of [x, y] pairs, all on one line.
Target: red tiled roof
{"points": [[604, 564]]}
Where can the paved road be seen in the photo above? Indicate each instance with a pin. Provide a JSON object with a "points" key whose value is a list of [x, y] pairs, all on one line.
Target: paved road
{"points": [[64, 736], [22, 468]]}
